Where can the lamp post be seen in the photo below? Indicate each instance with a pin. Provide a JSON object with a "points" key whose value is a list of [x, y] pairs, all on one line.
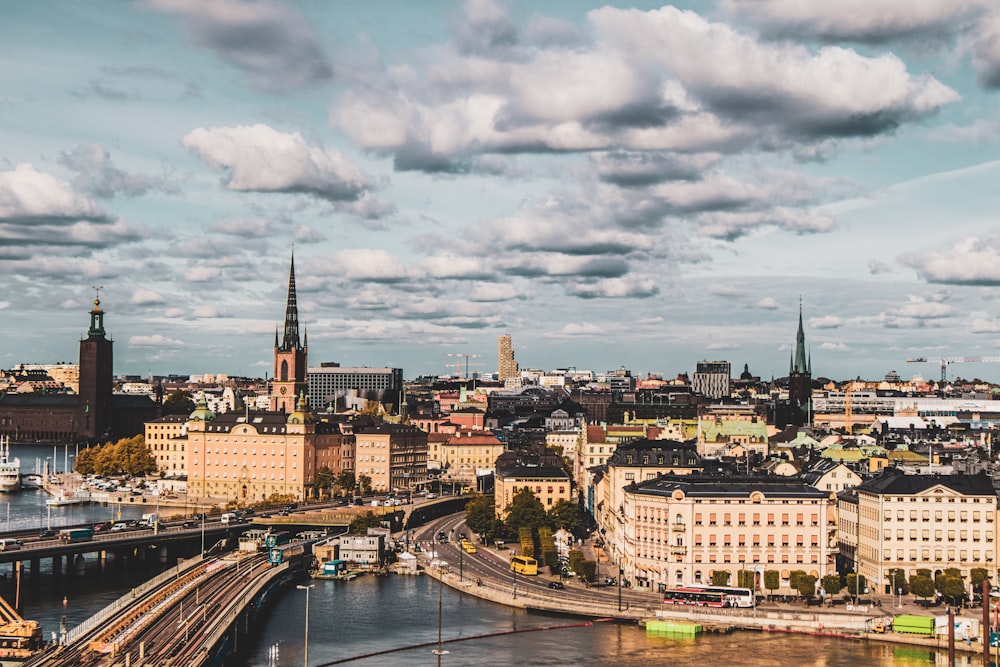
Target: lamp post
{"points": [[513, 571], [621, 573], [305, 654], [203, 534], [461, 560]]}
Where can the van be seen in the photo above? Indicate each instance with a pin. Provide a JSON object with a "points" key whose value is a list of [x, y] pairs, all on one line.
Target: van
{"points": [[150, 520], [228, 517], [9, 545]]}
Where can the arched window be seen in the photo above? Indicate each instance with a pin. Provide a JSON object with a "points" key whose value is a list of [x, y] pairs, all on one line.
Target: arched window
{"points": [[284, 371]]}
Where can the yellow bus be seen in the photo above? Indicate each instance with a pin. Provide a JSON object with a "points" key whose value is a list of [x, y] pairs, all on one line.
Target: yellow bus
{"points": [[524, 565], [468, 547]]}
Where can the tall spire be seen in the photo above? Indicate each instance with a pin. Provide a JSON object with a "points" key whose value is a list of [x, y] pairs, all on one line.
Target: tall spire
{"points": [[801, 364], [290, 340]]}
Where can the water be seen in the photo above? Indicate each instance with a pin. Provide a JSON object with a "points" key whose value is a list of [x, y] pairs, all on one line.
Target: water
{"points": [[349, 619]]}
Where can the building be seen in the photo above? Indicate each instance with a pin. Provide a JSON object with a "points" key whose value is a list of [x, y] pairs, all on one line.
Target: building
{"points": [[290, 355], [550, 484], [799, 379], [909, 522], [331, 381], [467, 455], [712, 379], [368, 549], [166, 439], [392, 456], [680, 529], [506, 365]]}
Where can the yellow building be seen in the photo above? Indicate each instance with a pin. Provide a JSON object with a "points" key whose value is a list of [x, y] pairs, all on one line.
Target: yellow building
{"points": [[467, 454], [166, 440], [549, 484], [392, 456]]}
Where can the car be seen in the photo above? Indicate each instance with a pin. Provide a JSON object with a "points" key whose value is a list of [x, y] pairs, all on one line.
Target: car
{"points": [[46, 534], [556, 585], [189, 524], [118, 527], [265, 515], [199, 516]]}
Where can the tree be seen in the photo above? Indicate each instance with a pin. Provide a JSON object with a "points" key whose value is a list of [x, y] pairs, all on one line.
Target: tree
{"points": [[525, 510], [832, 584], [566, 515], [346, 481], [746, 579], [481, 517], [805, 584], [324, 479], [178, 403], [367, 520], [588, 570], [720, 578], [949, 583], [976, 577], [128, 456], [365, 484], [772, 580], [856, 585], [922, 586]]}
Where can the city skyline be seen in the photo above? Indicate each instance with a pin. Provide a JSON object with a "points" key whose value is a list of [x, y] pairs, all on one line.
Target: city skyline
{"points": [[563, 172]]}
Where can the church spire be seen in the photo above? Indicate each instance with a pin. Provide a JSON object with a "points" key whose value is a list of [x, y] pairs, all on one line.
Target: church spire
{"points": [[290, 340], [800, 364]]}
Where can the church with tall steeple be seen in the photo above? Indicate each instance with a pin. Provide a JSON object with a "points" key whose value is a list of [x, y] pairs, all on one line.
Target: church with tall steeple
{"points": [[800, 378], [290, 354]]}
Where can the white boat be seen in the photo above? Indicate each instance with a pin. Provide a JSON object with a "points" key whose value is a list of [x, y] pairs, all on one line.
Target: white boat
{"points": [[10, 469], [32, 481], [64, 497]]}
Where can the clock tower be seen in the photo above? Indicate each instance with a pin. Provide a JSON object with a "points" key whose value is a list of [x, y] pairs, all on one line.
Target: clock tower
{"points": [[289, 356]]}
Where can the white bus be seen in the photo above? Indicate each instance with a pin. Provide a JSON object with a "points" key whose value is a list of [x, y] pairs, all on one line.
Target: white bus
{"points": [[734, 597]]}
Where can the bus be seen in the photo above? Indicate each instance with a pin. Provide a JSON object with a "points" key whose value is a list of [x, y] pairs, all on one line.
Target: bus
{"points": [[698, 597], [736, 597], [524, 565]]}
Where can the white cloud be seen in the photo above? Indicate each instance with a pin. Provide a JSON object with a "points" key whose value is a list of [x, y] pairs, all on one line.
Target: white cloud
{"points": [[146, 297], [156, 340], [615, 288], [768, 303], [259, 158], [202, 274], [833, 347], [983, 325], [972, 261], [209, 311], [825, 322], [923, 310], [494, 292], [574, 330], [364, 264], [28, 195]]}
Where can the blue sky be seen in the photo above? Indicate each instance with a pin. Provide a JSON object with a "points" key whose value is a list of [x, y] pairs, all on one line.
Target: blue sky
{"points": [[613, 185]]}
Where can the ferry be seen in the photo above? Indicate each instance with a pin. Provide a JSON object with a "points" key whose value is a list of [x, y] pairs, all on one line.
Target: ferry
{"points": [[64, 497], [10, 469]]}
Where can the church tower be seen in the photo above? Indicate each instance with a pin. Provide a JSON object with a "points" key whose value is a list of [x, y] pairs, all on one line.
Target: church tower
{"points": [[289, 356], [96, 379], [800, 378]]}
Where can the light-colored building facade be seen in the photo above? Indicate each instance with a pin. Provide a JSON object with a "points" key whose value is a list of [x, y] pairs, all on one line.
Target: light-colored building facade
{"points": [[468, 454], [506, 365], [712, 379], [549, 484], [166, 439], [679, 529], [393, 456], [368, 550], [330, 381], [909, 522]]}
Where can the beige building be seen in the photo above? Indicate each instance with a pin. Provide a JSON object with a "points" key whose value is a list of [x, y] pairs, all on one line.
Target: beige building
{"points": [[679, 529], [909, 522], [506, 366], [468, 454], [549, 484], [393, 456], [166, 439]]}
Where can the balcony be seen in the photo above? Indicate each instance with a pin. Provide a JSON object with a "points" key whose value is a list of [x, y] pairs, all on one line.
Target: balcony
{"points": [[678, 527], [678, 551]]}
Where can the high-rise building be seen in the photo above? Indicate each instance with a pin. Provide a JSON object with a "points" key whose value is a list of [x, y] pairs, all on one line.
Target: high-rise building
{"points": [[290, 378], [506, 365], [332, 382], [712, 379]]}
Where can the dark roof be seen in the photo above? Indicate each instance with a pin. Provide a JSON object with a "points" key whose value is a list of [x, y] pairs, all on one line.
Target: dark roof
{"points": [[638, 447], [133, 401], [391, 429], [733, 487], [39, 400], [539, 472], [895, 482]]}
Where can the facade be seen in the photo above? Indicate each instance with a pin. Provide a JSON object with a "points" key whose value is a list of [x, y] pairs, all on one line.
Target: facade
{"points": [[506, 365], [909, 522], [331, 381], [712, 379], [166, 439], [467, 455], [393, 456], [549, 484], [363, 549], [679, 529], [290, 356]]}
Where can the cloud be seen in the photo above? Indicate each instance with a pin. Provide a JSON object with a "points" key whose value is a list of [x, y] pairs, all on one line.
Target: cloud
{"points": [[980, 131], [243, 227], [632, 287], [630, 169], [98, 175], [210, 311], [97, 89], [258, 158], [922, 310], [578, 330], [826, 322], [767, 303], [875, 267], [972, 261], [270, 42], [146, 297], [983, 325], [833, 347], [156, 340], [202, 274], [493, 292], [365, 264], [28, 196]]}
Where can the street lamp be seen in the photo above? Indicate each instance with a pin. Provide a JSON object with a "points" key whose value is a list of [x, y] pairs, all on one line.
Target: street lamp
{"points": [[305, 655], [621, 573]]}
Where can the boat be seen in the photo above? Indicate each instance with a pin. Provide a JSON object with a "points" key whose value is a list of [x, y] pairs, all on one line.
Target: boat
{"points": [[336, 570], [64, 497], [32, 481], [10, 469]]}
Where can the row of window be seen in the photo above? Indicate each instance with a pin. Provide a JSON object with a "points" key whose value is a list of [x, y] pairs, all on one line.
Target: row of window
{"points": [[939, 535], [252, 464], [253, 452], [939, 556], [939, 515], [728, 558]]}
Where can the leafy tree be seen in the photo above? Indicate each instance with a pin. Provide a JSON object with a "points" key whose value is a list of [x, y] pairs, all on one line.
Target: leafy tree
{"points": [[178, 403], [86, 462], [346, 480], [576, 560], [976, 577], [566, 515], [367, 520], [324, 479], [481, 517], [720, 578], [922, 586], [746, 579], [588, 570], [772, 580], [805, 584], [897, 582], [793, 578], [856, 585], [365, 484], [525, 510], [128, 456], [832, 584], [949, 583]]}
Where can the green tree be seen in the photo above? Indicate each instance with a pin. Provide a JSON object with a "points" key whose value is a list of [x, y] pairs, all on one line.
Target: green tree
{"points": [[566, 515], [897, 582], [128, 456], [793, 578], [720, 578], [976, 577], [806, 585], [575, 560], [772, 580], [85, 462], [525, 510], [481, 517], [324, 479], [857, 585], [949, 583], [922, 586], [588, 570], [365, 484], [346, 480], [178, 403], [832, 584], [367, 520], [746, 579]]}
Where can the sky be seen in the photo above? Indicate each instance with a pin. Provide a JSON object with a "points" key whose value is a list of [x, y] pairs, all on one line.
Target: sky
{"points": [[620, 185]]}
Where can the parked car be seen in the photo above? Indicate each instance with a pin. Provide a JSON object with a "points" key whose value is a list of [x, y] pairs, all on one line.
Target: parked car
{"points": [[556, 585]]}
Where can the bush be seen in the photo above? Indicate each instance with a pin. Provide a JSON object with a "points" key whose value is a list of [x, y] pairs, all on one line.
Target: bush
{"points": [[588, 570]]}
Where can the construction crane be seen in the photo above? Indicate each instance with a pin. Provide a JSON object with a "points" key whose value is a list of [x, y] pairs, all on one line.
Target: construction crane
{"points": [[946, 361], [20, 639], [458, 364]]}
